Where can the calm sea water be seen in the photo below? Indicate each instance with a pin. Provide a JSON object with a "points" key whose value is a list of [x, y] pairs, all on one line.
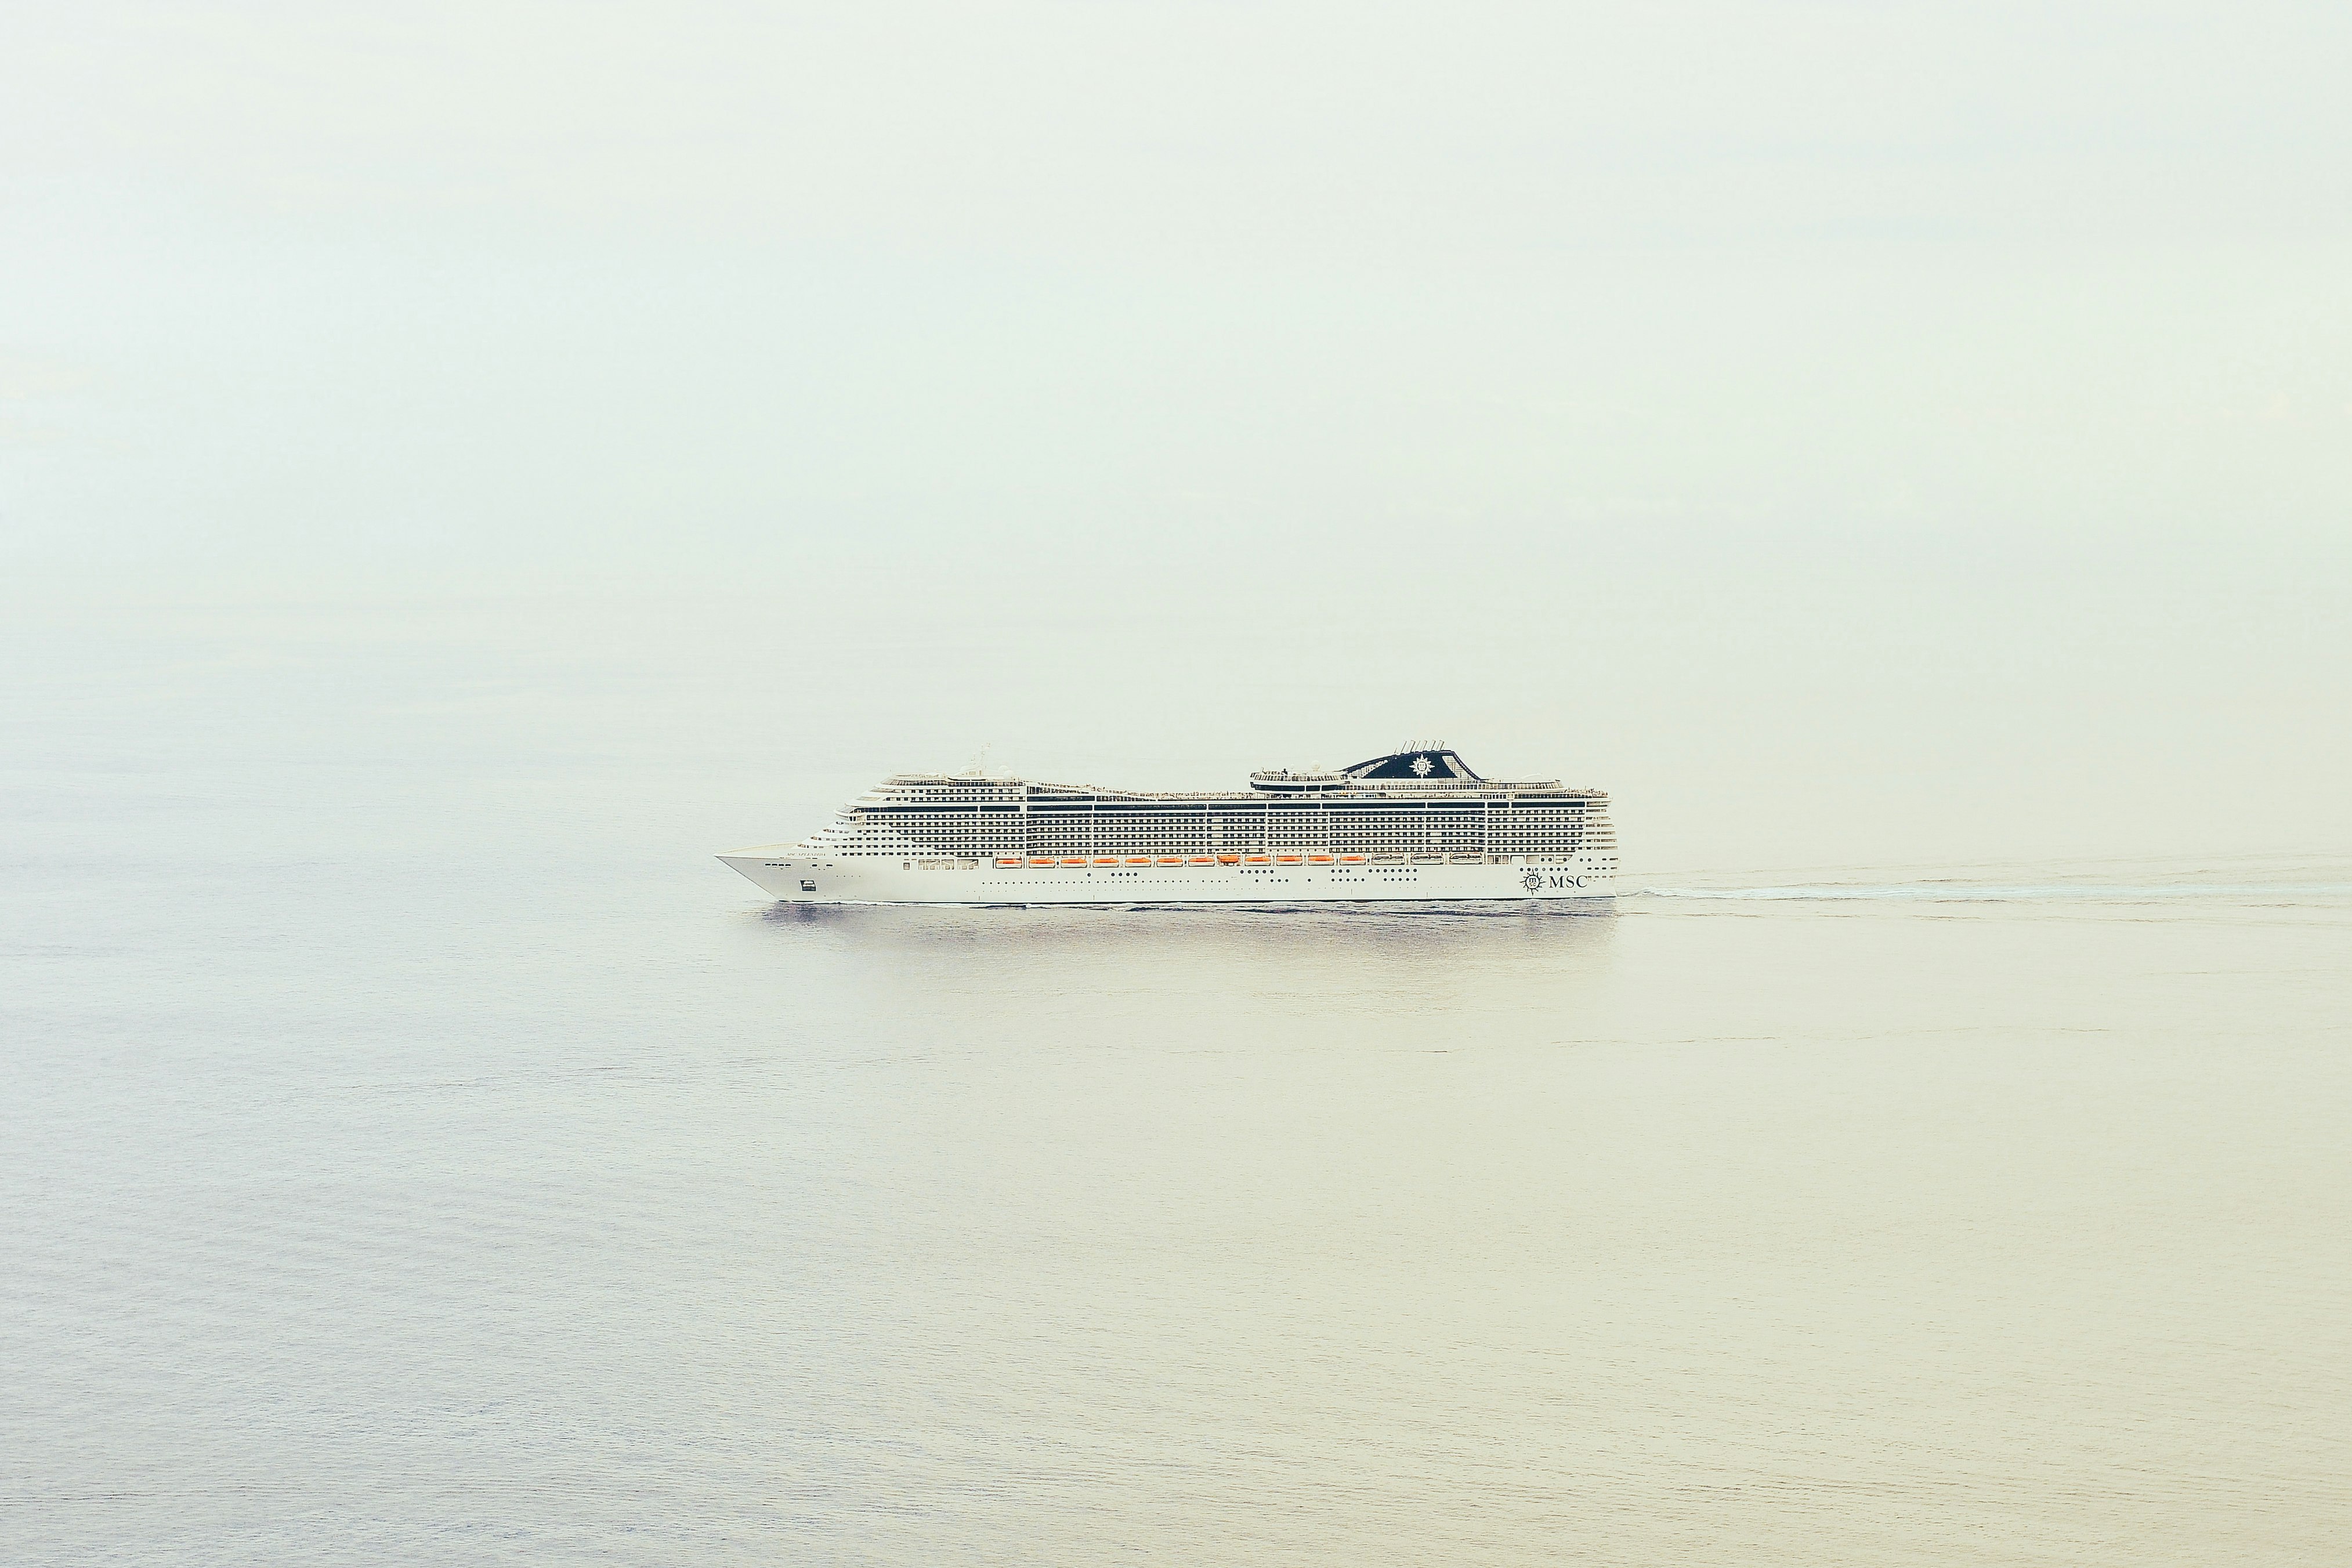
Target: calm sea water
{"points": [[439, 1158]]}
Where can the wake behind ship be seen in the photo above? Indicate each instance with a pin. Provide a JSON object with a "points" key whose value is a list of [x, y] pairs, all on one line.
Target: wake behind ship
{"points": [[1415, 825]]}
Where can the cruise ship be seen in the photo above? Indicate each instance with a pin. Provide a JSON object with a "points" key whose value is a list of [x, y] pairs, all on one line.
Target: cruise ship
{"points": [[1413, 825]]}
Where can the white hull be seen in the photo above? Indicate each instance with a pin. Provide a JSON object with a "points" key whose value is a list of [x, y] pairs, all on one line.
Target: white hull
{"points": [[793, 875]]}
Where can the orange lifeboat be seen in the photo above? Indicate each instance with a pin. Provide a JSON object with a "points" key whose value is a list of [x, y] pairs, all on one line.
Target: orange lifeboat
{"points": [[1320, 860], [1352, 859], [1229, 860], [1171, 859], [1138, 860], [1285, 859], [1046, 862], [1068, 861], [1203, 860], [1002, 860], [1104, 860], [1255, 859]]}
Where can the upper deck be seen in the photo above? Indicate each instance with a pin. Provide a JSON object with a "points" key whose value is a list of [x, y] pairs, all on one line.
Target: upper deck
{"points": [[1430, 773]]}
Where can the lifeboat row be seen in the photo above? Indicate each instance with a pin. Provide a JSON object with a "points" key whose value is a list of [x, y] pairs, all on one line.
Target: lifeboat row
{"points": [[1177, 859]]}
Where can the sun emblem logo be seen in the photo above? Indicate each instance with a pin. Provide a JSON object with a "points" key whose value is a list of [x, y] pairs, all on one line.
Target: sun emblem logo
{"points": [[1531, 882], [1422, 766]]}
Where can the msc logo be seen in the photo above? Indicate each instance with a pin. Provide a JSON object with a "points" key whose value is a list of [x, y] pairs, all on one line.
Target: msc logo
{"points": [[1532, 882]]}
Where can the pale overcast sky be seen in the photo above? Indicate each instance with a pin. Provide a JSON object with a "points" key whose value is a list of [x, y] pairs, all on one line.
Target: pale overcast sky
{"points": [[1730, 401]]}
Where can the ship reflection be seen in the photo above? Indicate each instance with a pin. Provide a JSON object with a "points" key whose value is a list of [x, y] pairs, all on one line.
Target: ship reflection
{"points": [[1250, 933]]}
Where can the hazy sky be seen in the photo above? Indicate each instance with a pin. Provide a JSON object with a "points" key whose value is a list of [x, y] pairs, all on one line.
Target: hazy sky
{"points": [[1841, 430]]}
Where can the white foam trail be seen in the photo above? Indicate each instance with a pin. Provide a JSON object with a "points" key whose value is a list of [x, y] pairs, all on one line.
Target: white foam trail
{"points": [[1967, 893]]}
